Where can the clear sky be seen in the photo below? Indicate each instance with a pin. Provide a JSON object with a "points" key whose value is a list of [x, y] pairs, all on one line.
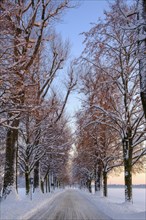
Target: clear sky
{"points": [[74, 22], [136, 179], [78, 20]]}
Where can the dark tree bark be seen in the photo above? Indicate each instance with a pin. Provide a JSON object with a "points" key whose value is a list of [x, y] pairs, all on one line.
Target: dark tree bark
{"points": [[42, 186], [128, 150], [36, 176], [105, 184], [17, 97], [9, 177], [46, 181], [27, 186], [89, 185], [128, 180], [49, 183], [142, 50], [98, 182], [98, 178]]}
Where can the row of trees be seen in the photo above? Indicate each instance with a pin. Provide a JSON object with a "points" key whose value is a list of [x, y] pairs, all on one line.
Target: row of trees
{"points": [[35, 137], [34, 130], [111, 125]]}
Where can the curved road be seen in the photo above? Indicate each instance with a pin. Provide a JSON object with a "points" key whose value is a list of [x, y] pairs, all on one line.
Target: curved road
{"points": [[70, 205]]}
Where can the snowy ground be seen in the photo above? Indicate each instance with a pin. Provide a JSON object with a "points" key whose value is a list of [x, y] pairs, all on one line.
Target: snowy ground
{"points": [[23, 207], [116, 207], [71, 205]]}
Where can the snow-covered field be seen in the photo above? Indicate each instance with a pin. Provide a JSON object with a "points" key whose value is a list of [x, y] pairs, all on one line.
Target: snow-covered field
{"points": [[116, 207], [22, 207], [139, 197]]}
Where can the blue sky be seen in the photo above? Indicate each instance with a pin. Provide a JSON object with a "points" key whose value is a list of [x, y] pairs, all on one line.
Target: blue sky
{"points": [[78, 20], [74, 22]]}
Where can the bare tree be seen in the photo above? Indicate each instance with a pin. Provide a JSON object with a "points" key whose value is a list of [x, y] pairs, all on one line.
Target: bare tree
{"points": [[122, 67], [136, 23], [27, 23]]}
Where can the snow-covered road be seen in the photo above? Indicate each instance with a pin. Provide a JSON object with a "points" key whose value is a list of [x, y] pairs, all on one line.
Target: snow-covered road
{"points": [[71, 204]]}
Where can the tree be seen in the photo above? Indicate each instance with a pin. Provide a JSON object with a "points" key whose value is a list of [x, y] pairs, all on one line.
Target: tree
{"points": [[142, 48], [102, 146], [122, 67], [136, 19], [27, 24], [57, 143]]}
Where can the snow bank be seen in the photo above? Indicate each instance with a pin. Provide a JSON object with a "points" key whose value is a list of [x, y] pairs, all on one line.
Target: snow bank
{"points": [[115, 206], [22, 207]]}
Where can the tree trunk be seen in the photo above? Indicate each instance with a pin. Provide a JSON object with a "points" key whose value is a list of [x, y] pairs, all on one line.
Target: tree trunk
{"points": [[58, 184], [98, 182], [96, 188], [128, 169], [37, 165], [36, 176], [49, 182], [9, 174], [89, 186], [105, 184], [12, 134], [46, 183], [143, 94], [128, 181], [142, 51], [16, 179], [42, 186], [27, 186], [54, 182]]}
